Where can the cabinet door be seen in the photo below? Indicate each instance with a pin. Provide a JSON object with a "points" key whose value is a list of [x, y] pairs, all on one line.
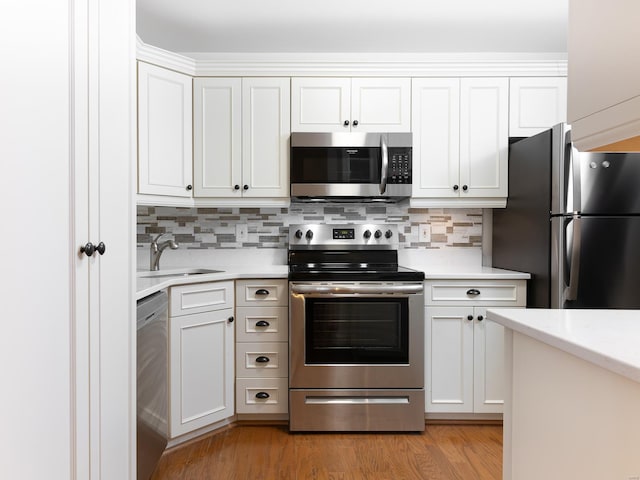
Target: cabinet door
{"points": [[380, 105], [265, 137], [536, 104], [217, 137], [484, 137], [488, 364], [449, 359], [201, 370], [320, 104], [436, 136], [164, 132]]}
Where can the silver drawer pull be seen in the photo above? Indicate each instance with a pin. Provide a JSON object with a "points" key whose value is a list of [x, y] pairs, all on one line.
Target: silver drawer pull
{"points": [[356, 400]]}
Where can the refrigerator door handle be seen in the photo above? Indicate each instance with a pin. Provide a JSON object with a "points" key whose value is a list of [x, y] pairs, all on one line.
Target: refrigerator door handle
{"points": [[571, 290], [574, 161]]}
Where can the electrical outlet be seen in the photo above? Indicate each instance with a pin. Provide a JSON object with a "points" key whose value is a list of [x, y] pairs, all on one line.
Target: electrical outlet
{"points": [[242, 232], [425, 233]]}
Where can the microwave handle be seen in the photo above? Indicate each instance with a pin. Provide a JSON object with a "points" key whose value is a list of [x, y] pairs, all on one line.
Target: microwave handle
{"points": [[385, 163]]}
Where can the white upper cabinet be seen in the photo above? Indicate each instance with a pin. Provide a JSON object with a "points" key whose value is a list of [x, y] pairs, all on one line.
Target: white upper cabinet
{"points": [[351, 104], [604, 74], [241, 137], [217, 136], [164, 132], [536, 104], [461, 137]]}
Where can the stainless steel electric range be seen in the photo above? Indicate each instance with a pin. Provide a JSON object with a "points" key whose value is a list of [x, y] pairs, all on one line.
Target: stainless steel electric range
{"points": [[356, 331]]}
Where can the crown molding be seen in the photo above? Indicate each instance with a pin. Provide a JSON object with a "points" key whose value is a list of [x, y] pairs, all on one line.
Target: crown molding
{"points": [[357, 64], [164, 58]]}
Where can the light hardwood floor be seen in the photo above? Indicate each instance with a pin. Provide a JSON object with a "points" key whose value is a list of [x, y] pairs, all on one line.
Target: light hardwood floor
{"points": [[442, 452]]}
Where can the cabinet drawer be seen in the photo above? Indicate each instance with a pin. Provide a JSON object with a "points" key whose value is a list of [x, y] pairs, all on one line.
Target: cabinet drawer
{"points": [[478, 292], [272, 292], [249, 391], [200, 297], [262, 324], [267, 359]]}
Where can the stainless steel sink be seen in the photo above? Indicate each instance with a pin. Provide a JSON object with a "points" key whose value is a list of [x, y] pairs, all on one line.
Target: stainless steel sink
{"points": [[182, 272]]}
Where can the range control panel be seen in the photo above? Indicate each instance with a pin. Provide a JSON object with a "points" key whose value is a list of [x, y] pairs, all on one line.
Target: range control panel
{"points": [[347, 235]]}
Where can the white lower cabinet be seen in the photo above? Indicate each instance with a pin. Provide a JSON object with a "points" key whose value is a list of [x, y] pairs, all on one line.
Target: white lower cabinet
{"points": [[201, 352], [262, 350], [464, 352]]}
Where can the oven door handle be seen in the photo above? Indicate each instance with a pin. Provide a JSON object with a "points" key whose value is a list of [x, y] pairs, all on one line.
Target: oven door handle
{"points": [[363, 289]]}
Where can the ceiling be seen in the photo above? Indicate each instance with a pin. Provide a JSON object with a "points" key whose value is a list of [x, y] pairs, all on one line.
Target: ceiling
{"points": [[367, 26]]}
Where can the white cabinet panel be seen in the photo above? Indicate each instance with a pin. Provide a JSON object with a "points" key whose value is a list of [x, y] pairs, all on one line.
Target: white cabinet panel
{"points": [[488, 364], [201, 355], [241, 137], [265, 136], [449, 359], [350, 104], [484, 136], [217, 136], [381, 104], [464, 352], [436, 136], [460, 129], [536, 104], [164, 131], [320, 104]]}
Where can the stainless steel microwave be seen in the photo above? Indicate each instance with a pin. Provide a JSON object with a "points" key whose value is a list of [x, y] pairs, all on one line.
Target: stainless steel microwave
{"points": [[350, 166]]}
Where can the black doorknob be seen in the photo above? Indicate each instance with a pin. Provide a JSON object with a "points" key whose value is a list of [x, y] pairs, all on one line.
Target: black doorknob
{"points": [[455, 188], [465, 187], [236, 187], [355, 123], [189, 187], [89, 249], [246, 187], [469, 317], [480, 318], [230, 319], [346, 123]]}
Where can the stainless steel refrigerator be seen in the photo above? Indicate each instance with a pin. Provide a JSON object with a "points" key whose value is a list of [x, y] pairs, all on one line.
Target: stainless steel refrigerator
{"points": [[572, 220]]}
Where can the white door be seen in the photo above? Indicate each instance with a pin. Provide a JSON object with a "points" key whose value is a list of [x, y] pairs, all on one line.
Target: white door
{"points": [[488, 364], [201, 370], [66, 140], [484, 136], [380, 105], [536, 104], [320, 104], [449, 359], [436, 137], [266, 127], [164, 131], [217, 137]]}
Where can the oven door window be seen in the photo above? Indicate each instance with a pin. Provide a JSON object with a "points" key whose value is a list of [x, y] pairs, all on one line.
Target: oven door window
{"points": [[335, 165], [357, 331]]}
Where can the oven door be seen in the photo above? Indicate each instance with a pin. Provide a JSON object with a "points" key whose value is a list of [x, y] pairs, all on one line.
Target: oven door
{"points": [[361, 335]]}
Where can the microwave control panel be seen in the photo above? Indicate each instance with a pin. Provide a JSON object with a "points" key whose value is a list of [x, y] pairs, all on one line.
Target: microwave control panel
{"points": [[399, 166]]}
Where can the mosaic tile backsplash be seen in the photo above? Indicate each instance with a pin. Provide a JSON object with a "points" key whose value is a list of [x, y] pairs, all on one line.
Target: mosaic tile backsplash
{"points": [[215, 228]]}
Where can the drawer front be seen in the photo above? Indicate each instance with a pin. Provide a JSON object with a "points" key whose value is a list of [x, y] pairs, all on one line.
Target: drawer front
{"points": [[250, 390], [510, 293], [273, 292], [200, 297], [262, 360], [262, 324]]}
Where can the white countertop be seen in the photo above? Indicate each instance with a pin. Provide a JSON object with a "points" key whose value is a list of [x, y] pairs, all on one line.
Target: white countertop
{"points": [[471, 273], [607, 338], [147, 286]]}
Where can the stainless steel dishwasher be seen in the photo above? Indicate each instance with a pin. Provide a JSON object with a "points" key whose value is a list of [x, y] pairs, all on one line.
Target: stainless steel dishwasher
{"points": [[152, 385]]}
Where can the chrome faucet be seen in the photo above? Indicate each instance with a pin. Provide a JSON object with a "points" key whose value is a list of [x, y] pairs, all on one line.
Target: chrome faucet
{"points": [[156, 251]]}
